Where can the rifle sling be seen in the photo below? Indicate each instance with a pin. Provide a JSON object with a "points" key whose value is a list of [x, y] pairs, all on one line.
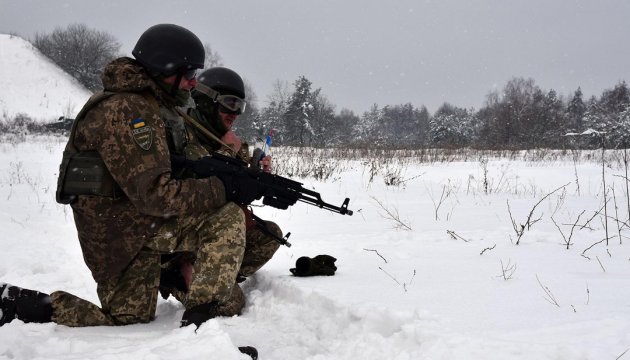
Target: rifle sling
{"points": [[189, 119]]}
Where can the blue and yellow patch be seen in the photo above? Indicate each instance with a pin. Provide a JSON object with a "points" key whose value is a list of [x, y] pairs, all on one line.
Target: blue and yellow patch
{"points": [[142, 134], [137, 123]]}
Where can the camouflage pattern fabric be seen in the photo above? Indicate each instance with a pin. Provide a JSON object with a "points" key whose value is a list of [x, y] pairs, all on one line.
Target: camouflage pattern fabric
{"points": [[219, 243], [128, 131], [259, 248], [120, 238], [234, 305], [129, 299]]}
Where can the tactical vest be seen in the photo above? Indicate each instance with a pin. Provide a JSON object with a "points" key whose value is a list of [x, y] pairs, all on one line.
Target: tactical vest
{"points": [[85, 173]]}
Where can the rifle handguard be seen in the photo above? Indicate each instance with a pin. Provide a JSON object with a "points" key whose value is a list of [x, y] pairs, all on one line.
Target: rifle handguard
{"points": [[277, 191]]}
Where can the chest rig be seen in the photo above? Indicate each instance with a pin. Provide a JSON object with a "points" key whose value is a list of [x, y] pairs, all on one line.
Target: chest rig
{"points": [[85, 173]]}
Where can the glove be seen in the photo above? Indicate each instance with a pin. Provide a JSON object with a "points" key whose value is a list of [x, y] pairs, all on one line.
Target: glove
{"points": [[241, 189], [319, 265], [281, 200], [203, 167]]}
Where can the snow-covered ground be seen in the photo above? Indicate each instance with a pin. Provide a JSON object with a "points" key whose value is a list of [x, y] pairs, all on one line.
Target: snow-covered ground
{"points": [[443, 281]]}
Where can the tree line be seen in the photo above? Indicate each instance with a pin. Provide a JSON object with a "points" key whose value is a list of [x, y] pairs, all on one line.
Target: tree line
{"points": [[519, 116]]}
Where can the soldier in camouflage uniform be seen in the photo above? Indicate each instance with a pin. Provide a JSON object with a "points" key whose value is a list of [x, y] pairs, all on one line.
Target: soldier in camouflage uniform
{"points": [[220, 98], [134, 213]]}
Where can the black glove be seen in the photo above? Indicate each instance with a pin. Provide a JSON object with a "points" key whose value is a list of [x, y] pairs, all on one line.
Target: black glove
{"points": [[203, 167], [319, 265], [280, 200], [241, 189]]}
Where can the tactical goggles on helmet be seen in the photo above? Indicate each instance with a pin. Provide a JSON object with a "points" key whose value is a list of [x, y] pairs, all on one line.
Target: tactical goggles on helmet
{"points": [[230, 103], [189, 74]]}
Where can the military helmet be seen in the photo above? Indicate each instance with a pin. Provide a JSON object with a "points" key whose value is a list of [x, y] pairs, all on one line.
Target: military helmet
{"points": [[223, 80], [167, 49]]}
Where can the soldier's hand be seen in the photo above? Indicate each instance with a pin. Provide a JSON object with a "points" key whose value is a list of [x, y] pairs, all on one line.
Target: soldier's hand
{"points": [[241, 188], [265, 164], [231, 139]]}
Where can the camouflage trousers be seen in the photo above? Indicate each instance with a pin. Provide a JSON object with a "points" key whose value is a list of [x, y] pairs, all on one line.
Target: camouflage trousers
{"points": [[259, 249], [218, 241]]}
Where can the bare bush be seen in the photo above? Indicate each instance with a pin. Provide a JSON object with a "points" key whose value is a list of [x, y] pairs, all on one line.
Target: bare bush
{"points": [[393, 215], [530, 221], [507, 270], [80, 51], [22, 125]]}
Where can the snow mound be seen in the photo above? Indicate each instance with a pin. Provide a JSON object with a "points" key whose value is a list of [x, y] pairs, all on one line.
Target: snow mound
{"points": [[33, 85]]}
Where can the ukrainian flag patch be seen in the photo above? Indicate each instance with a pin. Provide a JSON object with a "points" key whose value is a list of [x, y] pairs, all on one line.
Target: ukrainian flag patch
{"points": [[142, 134], [137, 123]]}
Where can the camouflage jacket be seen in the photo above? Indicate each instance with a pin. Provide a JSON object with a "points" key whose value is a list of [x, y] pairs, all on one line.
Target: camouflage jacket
{"points": [[129, 131]]}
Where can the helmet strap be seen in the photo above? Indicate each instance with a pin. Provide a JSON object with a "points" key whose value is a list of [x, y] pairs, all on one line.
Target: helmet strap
{"points": [[175, 86]]}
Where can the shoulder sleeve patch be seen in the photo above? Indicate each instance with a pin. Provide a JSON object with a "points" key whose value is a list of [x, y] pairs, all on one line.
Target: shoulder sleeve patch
{"points": [[142, 133]]}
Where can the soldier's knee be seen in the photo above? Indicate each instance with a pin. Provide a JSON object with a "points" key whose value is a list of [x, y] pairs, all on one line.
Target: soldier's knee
{"points": [[234, 212], [234, 219], [226, 227]]}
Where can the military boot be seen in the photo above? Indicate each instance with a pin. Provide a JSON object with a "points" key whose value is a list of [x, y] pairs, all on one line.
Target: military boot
{"points": [[249, 350], [24, 304], [199, 314]]}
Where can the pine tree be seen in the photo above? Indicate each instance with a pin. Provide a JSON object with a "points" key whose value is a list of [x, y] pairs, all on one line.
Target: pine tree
{"points": [[298, 115], [366, 130], [576, 111]]}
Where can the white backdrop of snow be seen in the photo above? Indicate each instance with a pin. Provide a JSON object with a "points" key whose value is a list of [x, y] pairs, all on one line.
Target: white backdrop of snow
{"points": [[33, 85], [456, 306]]}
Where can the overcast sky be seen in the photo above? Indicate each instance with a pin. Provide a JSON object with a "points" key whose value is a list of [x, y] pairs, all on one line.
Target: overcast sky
{"points": [[362, 52]]}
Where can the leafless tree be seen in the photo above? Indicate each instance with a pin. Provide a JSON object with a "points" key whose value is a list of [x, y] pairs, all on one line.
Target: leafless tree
{"points": [[80, 51], [213, 59]]}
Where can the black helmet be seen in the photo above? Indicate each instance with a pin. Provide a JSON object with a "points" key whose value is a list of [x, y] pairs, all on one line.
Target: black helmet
{"points": [[166, 49], [223, 80]]}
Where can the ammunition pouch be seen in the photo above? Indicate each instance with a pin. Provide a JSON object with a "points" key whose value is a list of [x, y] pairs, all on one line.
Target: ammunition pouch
{"points": [[84, 173]]}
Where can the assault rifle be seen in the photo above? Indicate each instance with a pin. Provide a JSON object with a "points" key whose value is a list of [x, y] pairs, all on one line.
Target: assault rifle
{"points": [[277, 191]]}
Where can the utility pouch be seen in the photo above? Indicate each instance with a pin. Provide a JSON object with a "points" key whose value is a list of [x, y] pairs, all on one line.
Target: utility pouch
{"points": [[84, 173]]}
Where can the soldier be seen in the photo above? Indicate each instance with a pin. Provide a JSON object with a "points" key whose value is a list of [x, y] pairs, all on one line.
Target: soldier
{"points": [[130, 212], [220, 98]]}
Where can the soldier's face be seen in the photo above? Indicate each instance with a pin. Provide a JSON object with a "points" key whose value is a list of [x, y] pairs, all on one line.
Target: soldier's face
{"points": [[228, 119], [184, 83]]}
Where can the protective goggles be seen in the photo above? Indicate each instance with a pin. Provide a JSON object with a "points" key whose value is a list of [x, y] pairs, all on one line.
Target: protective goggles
{"points": [[230, 103], [190, 74]]}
